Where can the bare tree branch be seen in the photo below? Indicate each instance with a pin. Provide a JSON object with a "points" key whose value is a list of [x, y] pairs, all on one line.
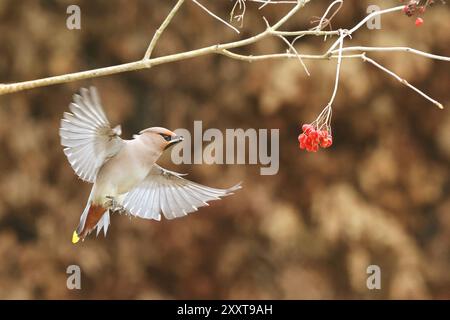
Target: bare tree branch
{"points": [[215, 16], [161, 29], [335, 51], [403, 81], [395, 49], [146, 63]]}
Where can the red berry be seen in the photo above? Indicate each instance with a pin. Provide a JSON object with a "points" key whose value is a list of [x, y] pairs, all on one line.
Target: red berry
{"points": [[307, 128], [419, 22], [314, 135], [312, 138], [302, 139], [329, 142], [323, 134], [308, 141]]}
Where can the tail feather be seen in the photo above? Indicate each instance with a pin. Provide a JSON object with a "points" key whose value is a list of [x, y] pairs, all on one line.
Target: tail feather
{"points": [[84, 215], [93, 216], [103, 223]]}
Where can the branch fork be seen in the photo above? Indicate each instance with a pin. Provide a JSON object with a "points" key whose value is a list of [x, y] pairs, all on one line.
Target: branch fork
{"points": [[336, 51]]}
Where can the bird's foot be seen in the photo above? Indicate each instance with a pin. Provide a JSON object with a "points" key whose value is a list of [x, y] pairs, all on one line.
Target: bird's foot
{"points": [[114, 206]]}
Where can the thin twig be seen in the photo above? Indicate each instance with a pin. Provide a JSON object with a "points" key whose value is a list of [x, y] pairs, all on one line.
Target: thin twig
{"points": [[403, 81], [395, 49], [266, 2], [291, 47], [306, 33], [300, 4], [276, 56], [238, 17], [321, 24], [363, 21], [338, 67], [161, 29], [319, 28], [215, 16]]}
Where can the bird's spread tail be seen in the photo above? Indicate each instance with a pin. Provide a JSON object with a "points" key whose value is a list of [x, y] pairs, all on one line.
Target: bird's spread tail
{"points": [[92, 216]]}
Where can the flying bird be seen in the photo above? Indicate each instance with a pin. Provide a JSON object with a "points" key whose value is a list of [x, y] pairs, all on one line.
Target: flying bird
{"points": [[124, 173]]}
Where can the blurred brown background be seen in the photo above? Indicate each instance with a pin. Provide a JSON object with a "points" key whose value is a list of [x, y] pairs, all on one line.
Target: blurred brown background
{"points": [[379, 196]]}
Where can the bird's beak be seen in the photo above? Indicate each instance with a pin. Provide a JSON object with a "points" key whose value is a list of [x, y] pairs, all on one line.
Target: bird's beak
{"points": [[175, 139]]}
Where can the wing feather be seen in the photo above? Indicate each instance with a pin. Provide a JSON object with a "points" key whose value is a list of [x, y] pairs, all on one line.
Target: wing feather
{"points": [[87, 136], [167, 192]]}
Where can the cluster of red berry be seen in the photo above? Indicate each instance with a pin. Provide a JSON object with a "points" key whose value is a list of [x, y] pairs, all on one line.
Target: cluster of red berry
{"points": [[416, 7], [312, 138]]}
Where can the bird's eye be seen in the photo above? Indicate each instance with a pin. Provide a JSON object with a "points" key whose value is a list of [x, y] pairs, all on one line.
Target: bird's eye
{"points": [[166, 136]]}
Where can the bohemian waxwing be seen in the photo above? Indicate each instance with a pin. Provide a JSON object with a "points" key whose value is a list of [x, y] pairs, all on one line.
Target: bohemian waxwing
{"points": [[125, 175]]}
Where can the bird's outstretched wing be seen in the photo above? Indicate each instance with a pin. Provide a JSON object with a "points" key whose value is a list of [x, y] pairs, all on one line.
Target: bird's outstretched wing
{"points": [[87, 135], [168, 192]]}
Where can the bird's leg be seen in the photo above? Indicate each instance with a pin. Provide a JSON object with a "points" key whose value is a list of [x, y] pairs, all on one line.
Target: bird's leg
{"points": [[114, 205]]}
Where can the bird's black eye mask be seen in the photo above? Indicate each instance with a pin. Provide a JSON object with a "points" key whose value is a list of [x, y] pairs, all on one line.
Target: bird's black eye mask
{"points": [[166, 136]]}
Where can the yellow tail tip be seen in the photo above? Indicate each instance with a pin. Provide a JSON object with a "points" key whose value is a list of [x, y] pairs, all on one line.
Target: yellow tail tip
{"points": [[75, 237]]}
